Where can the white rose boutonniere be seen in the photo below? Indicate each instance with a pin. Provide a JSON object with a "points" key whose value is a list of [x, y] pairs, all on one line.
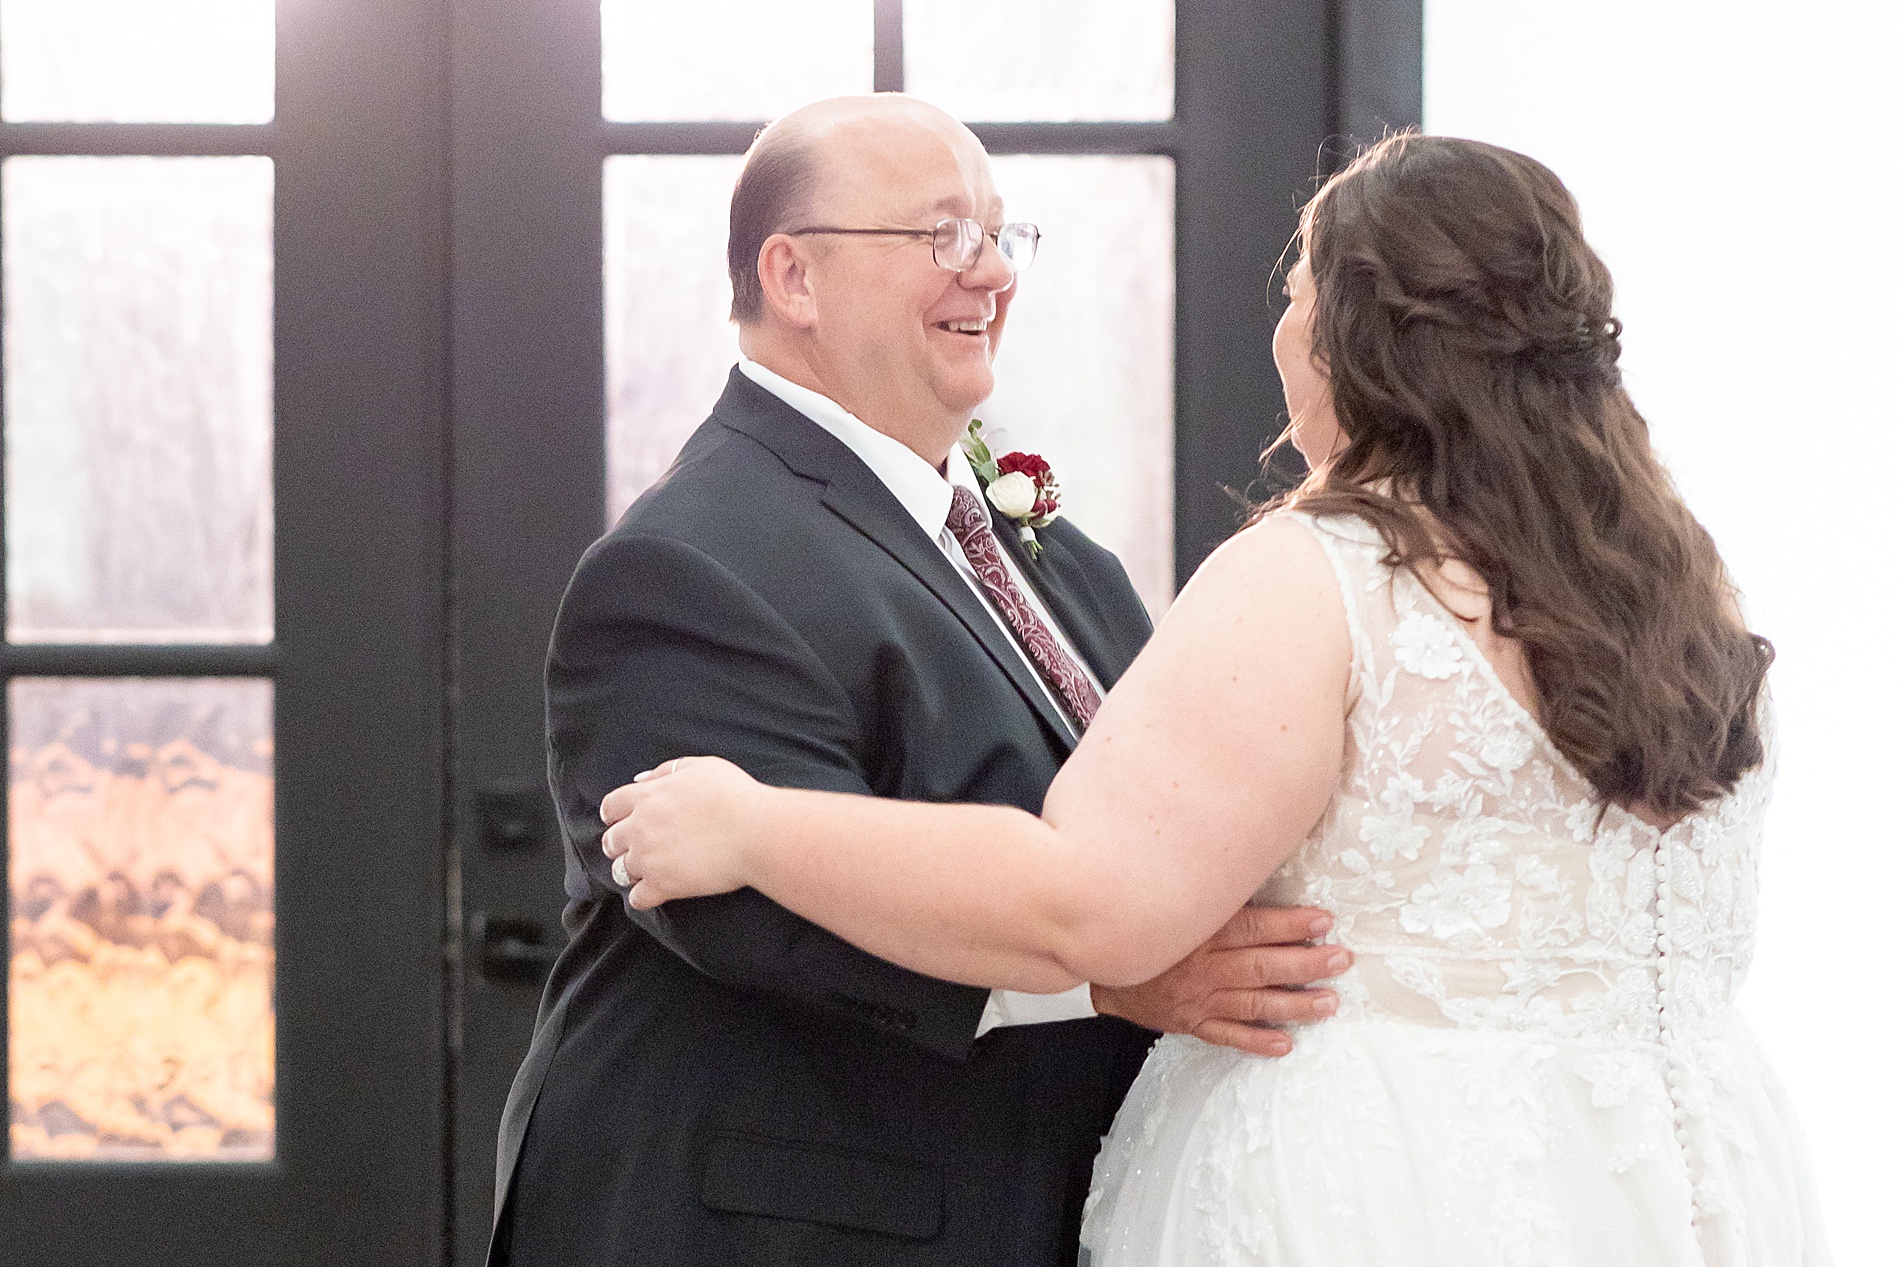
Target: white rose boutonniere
{"points": [[1020, 485], [1014, 494]]}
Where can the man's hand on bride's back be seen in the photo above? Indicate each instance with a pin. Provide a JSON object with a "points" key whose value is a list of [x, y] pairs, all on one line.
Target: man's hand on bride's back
{"points": [[679, 830], [1247, 979]]}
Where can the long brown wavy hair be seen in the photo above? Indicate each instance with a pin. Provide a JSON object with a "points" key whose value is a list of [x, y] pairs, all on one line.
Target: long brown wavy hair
{"points": [[1465, 328]]}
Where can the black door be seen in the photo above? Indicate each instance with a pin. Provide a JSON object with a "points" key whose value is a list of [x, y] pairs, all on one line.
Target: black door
{"points": [[317, 386], [225, 426], [585, 243]]}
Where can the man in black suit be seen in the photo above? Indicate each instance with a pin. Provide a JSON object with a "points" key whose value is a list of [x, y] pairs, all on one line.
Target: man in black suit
{"points": [[719, 1081]]}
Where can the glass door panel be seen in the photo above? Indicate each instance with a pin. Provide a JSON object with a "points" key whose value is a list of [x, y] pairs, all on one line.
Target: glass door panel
{"points": [[1042, 60], [729, 59], [136, 295], [223, 267], [138, 399], [669, 344], [138, 61], [1085, 371], [141, 863], [140, 824]]}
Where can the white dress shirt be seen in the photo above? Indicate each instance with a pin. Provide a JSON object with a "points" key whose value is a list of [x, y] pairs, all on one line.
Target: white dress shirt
{"points": [[925, 493]]}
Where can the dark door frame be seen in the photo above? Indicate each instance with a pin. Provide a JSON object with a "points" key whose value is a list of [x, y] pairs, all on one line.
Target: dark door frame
{"points": [[358, 664]]}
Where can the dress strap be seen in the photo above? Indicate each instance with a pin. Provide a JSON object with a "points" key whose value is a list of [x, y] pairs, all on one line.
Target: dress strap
{"points": [[1347, 550]]}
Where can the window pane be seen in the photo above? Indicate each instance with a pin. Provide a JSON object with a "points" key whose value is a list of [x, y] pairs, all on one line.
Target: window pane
{"points": [[140, 877], [1085, 373], [138, 61], [730, 59], [138, 399], [1044, 60], [669, 346]]}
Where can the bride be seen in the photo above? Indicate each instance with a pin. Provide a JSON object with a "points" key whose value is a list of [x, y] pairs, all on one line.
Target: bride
{"points": [[1480, 688]]}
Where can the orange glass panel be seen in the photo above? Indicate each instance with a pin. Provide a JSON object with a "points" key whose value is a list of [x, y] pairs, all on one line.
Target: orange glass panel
{"points": [[142, 1025]]}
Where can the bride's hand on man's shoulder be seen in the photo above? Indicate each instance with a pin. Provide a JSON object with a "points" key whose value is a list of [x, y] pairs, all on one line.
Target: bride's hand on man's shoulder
{"points": [[679, 830]]}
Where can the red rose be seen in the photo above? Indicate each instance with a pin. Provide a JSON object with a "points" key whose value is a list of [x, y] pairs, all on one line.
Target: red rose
{"points": [[1029, 464]]}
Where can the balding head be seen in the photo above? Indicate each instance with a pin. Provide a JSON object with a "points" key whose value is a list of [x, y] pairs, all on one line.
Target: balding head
{"points": [[842, 140]]}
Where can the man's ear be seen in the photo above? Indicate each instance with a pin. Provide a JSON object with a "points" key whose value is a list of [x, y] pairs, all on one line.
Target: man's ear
{"points": [[786, 281]]}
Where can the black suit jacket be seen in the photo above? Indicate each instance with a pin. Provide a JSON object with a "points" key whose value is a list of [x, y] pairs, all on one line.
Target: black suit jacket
{"points": [[720, 1081]]}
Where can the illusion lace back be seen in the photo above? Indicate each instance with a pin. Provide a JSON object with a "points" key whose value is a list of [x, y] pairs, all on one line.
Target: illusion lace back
{"points": [[1536, 1060]]}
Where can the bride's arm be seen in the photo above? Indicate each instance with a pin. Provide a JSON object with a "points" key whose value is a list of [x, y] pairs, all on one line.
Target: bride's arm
{"points": [[1206, 766]]}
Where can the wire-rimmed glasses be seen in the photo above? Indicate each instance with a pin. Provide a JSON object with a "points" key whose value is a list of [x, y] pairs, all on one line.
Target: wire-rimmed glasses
{"points": [[957, 244]]}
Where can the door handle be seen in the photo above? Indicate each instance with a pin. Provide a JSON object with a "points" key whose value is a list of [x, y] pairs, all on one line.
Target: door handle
{"points": [[515, 814], [512, 949]]}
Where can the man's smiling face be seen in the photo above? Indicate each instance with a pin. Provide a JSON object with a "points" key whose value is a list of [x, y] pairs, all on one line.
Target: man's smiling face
{"points": [[898, 336]]}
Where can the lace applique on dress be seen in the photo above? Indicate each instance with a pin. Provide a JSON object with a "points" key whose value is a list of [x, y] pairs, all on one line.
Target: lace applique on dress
{"points": [[1548, 982]]}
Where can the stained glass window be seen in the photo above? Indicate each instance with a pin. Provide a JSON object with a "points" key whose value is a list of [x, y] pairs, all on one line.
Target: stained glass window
{"points": [[141, 1024]]}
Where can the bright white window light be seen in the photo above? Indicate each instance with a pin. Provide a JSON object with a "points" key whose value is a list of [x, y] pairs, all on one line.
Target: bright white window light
{"points": [[1044, 60], [138, 61], [730, 59], [1735, 174]]}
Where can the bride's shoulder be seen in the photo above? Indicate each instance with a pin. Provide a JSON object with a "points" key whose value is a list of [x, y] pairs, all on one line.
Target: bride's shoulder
{"points": [[1278, 560], [1291, 537], [1271, 584]]}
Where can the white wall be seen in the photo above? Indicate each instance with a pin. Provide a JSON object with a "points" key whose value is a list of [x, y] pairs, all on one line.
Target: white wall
{"points": [[1736, 165]]}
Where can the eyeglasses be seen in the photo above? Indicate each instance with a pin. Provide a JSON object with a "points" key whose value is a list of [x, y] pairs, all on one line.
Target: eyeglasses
{"points": [[958, 244]]}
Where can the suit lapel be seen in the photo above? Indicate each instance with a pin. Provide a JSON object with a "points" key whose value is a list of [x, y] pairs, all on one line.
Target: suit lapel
{"points": [[875, 513], [858, 497]]}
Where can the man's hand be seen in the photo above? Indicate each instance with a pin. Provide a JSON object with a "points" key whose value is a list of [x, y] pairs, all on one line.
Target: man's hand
{"points": [[1244, 978]]}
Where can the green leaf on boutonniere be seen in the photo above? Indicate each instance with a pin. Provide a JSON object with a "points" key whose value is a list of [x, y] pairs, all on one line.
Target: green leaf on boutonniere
{"points": [[978, 452]]}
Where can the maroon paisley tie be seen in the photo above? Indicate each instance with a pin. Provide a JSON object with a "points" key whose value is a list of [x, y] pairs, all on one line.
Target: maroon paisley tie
{"points": [[971, 527]]}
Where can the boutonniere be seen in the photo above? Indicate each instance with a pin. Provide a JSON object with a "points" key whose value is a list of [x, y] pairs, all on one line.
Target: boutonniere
{"points": [[1020, 485]]}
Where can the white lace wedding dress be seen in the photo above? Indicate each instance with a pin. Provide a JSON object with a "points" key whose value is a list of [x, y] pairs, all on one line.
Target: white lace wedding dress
{"points": [[1536, 1060]]}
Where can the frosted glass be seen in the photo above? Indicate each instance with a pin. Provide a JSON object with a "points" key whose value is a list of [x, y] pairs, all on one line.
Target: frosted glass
{"points": [[730, 59], [669, 345], [1748, 223], [138, 61], [1042, 60], [138, 399], [141, 1025], [1085, 371]]}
